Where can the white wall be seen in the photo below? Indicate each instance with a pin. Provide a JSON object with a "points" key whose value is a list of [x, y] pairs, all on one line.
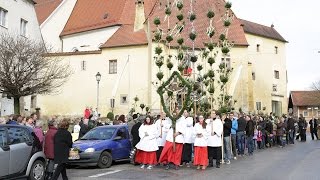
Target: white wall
{"points": [[89, 40], [54, 24], [20, 9]]}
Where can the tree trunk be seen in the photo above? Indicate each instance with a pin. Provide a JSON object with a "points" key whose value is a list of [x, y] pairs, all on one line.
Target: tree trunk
{"points": [[16, 102]]}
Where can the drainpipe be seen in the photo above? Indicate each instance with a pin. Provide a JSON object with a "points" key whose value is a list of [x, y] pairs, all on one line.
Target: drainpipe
{"points": [[149, 62]]}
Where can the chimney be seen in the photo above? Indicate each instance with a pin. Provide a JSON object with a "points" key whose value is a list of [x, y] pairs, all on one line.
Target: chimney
{"points": [[140, 16], [272, 26]]}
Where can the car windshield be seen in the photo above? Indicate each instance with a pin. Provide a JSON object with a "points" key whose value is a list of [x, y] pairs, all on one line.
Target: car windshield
{"points": [[99, 134]]}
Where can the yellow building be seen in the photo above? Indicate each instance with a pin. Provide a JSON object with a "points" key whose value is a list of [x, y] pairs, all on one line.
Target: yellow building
{"points": [[115, 39]]}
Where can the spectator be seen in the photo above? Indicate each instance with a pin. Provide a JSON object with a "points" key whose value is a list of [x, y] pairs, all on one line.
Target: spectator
{"points": [[76, 131], [84, 128], [12, 120], [241, 134], [49, 148], [38, 131], [313, 128], [21, 120], [30, 122], [227, 124], [234, 129], [62, 145], [249, 134]]}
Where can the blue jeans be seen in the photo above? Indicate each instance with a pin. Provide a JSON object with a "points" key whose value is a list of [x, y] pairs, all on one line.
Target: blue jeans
{"points": [[234, 144], [227, 148], [292, 135], [250, 144], [240, 139]]}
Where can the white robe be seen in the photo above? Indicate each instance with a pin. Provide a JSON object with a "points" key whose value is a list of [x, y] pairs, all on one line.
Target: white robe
{"points": [[214, 140], [180, 127], [189, 132], [200, 141], [161, 139], [148, 141]]}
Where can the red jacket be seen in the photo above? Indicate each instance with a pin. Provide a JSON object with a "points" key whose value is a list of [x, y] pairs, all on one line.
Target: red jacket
{"points": [[87, 113], [49, 142]]}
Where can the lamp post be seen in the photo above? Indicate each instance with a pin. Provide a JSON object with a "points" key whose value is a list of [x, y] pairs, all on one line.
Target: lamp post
{"points": [[98, 78]]}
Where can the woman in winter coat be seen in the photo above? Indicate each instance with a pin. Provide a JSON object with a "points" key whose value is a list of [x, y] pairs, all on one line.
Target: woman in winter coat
{"points": [[38, 131], [49, 148], [280, 129], [62, 145], [148, 146], [200, 144]]}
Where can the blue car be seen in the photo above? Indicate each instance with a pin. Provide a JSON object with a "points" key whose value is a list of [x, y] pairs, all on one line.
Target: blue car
{"points": [[103, 145]]}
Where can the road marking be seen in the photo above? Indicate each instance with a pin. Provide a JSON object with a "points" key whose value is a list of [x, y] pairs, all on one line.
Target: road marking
{"points": [[103, 174]]}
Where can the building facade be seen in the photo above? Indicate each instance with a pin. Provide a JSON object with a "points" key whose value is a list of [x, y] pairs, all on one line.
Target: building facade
{"points": [[18, 18], [115, 39]]}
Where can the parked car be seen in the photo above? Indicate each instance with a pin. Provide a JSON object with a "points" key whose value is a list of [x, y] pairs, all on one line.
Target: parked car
{"points": [[103, 145], [20, 153]]}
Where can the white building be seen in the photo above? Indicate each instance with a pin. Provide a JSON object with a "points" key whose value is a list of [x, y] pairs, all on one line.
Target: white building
{"points": [[18, 17]]}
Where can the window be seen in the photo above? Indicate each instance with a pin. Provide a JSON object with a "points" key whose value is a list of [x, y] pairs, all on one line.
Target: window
{"points": [[258, 47], [276, 50], [113, 67], [83, 65], [253, 76], [305, 113], [227, 61], [18, 135], [124, 99], [23, 27], [274, 88], [258, 104], [3, 17], [33, 102], [3, 137], [276, 74], [122, 133]]}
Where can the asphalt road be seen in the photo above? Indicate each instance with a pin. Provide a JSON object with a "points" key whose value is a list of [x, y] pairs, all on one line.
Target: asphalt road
{"points": [[299, 161]]}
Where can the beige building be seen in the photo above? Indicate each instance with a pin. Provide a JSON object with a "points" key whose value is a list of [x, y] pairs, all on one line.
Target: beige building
{"points": [[115, 40]]}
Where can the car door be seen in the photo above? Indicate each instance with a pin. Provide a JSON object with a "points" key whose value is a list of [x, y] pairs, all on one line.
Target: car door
{"points": [[123, 146], [20, 149], [4, 152]]}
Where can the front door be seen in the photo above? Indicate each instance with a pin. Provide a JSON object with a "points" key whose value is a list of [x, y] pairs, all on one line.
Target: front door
{"points": [[277, 108], [4, 153], [20, 152], [123, 146]]}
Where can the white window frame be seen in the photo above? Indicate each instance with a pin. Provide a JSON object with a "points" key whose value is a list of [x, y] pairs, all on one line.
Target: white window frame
{"points": [[258, 103], [121, 99], [305, 113], [276, 50], [113, 66], [253, 75], [3, 17], [227, 60], [23, 27], [83, 65]]}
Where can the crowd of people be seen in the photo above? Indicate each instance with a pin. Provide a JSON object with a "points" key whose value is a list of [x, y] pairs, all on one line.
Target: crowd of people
{"points": [[195, 141], [223, 137]]}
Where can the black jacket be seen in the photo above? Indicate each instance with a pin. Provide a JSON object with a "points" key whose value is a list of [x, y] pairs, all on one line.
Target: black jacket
{"points": [[250, 128], [83, 130], [290, 124], [62, 145], [227, 127], [269, 127], [241, 124], [313, 125], [135, 134]]}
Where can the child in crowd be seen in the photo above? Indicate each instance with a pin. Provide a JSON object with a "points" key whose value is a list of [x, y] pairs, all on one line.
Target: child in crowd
{"points": [[259, 137]]}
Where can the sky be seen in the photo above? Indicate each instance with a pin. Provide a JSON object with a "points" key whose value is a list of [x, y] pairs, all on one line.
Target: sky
{"points": [[299, 23]]}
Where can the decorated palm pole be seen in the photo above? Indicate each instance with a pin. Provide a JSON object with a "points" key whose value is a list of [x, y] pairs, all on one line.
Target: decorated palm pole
{"points": [[189, 79]]}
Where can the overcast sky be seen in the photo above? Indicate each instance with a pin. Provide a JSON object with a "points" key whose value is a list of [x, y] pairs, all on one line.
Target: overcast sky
{"points": [[299, 23]]}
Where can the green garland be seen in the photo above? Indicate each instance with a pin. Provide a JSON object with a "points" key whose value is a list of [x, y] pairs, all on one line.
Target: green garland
{"points": [[161, 91]]}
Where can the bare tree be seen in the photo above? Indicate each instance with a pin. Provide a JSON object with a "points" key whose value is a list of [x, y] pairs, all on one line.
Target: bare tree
{"points": [[316, 85], [25, 70]]}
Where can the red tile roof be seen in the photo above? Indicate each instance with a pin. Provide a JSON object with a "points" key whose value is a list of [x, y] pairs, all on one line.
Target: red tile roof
{"points": [[44, 8], [305, 98], [261, 30], [95, 14], [125, 36], [236, 33]]}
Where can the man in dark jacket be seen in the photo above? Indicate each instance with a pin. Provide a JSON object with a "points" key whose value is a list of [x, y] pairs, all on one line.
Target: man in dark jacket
{"points": [[135, 132], [49, 148], [262, 123], [241, 134], [249, 134], [269, 133], [291, 129], [302, 128], [227, 124], [314, 128], [62, 145]]}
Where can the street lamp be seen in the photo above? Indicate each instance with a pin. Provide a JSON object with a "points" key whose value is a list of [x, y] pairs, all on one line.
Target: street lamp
{"points": [[98, 78]]}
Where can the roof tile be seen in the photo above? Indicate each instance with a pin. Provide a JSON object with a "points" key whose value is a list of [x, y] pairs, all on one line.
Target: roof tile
{"points": [[305, 98], [261, 30], [44, 8]]}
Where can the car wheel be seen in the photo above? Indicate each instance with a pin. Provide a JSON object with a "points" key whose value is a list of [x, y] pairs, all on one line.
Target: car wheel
{"points": [[105, 160], [37, 171]]}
